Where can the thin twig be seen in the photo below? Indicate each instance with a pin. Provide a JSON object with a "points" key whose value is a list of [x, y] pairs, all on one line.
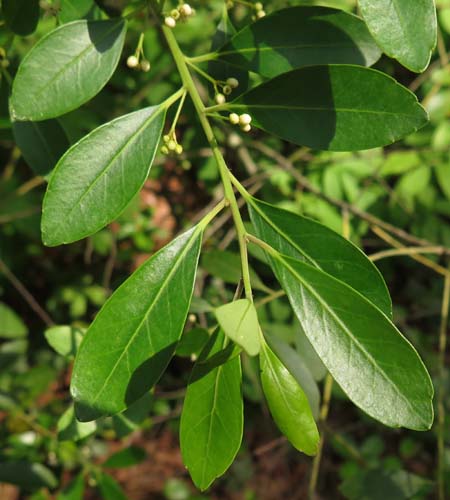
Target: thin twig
{"points": [[396, 252]]}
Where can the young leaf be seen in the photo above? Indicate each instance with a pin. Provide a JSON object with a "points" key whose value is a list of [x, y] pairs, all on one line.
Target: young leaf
{"points": [[42, 143], [405, 30], [64, 339], [239, 322], [99, 175], [66, 68], [310, 241], [21, 16], [334, 107], [301, 36], [212, 419], [133, 337], [69, 429], [288, 403], [375, 365], [11, 325]]}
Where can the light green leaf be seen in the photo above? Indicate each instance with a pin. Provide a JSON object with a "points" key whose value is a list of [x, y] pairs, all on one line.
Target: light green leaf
{"points": [[109, 488], [377, 368], [66, 68], [301, 36], [310, 241], [97, 178], [288, 403], [74, 490], [21, 16], [70, 429], [334, 107], [405, 30], [65, 340], [239, 322], [443, 178], [212, 419], [11, 326], [42, 144], [133, 337]]}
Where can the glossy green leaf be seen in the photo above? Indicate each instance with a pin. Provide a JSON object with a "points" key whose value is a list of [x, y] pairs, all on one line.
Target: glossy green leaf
{"points": [[133, 337], [81, 9], [131, 419], [298, 369], [406, 30], [96, 179], [212, 419], [65, 340], [301, 36], [126, 457], [239, 322], [192, 342], [21, 16], [109, 488], [27, 475], [11, 325], [66, 68], [42, 144], [288, 403], [374, 364], [70, 429], [334, 107], [310, 241], [74, 490]]}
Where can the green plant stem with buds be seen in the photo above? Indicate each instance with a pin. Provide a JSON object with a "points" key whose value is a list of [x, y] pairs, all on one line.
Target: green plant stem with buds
{"points": [[225, 175]]}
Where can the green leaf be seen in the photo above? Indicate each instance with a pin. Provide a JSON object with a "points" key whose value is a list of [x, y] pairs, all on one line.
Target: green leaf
{"points": [[133, 337], [126, 457], [110, 488], [301, 36], [65, 340], [239, 322], [70, 429], [27, 475], [192, 342], [443, 178], [334, 107], [11, 326], [405, 30], [378, 369], [212, 419], [74, 490], [71, 11], [288, 403], [66, 68], [227, 266], [298, 369], [21, 16], [97, 178], [42, 144], [310, 241], [131, 419]]}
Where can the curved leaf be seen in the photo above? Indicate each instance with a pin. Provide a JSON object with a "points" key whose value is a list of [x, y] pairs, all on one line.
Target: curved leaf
{"points": [[212, 420], [288, 403], [405, 30], [375, 365], [334, 107], [307, 240], [301, 36], [21, 16], [133, 337], [97, 178], [66, 68]]}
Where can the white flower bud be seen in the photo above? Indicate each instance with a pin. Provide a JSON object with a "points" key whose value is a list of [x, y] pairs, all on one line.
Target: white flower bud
{"points": [[132, 62], [166, 138], [178, 149], [233, 82], [260, 14], [258, 6], [220, 99], [246, 128], [186, 10], [227, 89], [170, 22], [145, 65], [164, 150], [172, 145], [245, 119], [234, 118]]}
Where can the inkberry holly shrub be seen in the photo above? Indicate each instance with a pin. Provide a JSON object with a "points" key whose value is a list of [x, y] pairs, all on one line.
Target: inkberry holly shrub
{"points": [[302, 74]]}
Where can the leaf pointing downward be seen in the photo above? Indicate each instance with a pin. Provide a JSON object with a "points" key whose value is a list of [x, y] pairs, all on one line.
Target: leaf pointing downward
{"points": [[133, 337]]}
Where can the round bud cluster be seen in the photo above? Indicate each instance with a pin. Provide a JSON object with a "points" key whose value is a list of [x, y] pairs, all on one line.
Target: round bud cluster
{"points": [[171, 145], [133, 62], [182, 13], [259, 10], [227, 88], [242, 120]]}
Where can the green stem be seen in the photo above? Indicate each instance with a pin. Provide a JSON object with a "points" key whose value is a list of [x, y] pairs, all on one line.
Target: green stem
{"points": [[210, 215], [177, 114], [211, 56], [189, 84]]}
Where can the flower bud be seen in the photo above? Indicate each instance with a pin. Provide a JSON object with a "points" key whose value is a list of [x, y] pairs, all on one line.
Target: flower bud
{"points": [[170, 22], [186, 10], [145, 65], [246, 128], [164, 150], [233, 82], [132, 62], [245, 119], [234, 118], [178, 149], [220, 99]]}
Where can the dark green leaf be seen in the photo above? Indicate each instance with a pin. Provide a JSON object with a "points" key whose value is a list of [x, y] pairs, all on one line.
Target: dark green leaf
{"points": [[70, 429], [239, 322], [133, 337], [97, 178], [74, 490], [301, 36], [21, 16], [405, 30], [11, 326], [27, 475], [192, 342], [126, 457], [81, 9], [110, 488], [66, 68], [65, 340], [334, 107], [131, 419], [288, 403], [42, 144], [375, 365], [212, 418], [308, 240]]}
